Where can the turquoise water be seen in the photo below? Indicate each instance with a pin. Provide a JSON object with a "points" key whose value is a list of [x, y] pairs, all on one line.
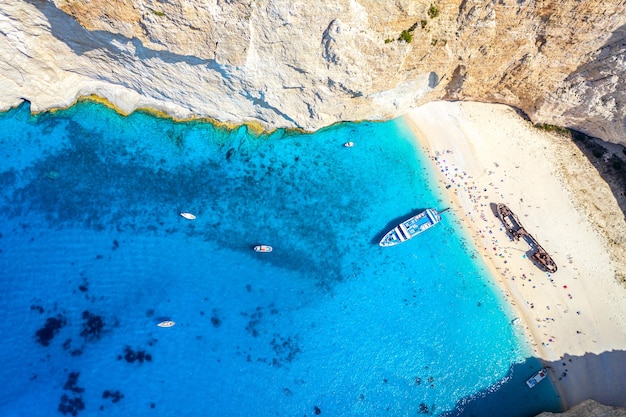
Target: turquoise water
{"points": [[94, 253]]}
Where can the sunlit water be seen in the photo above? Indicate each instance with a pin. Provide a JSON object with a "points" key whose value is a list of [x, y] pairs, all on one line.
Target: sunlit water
{"points": [[94, 254]]}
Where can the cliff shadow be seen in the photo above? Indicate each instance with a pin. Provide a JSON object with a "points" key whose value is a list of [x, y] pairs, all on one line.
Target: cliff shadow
{"points": [[608, 159], [511, 398], [81, 41], [602, 378], [608, 162]]}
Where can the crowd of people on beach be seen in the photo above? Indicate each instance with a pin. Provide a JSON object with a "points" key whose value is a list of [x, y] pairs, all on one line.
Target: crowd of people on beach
{"points": [[485, 155], [475, 199]]}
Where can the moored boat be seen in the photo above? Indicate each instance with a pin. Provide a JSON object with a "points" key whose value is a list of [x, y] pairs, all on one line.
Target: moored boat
{"points": [[537, 377], [263, 248], [188, 216], [166, 323], [348, 144], [412, 227]]}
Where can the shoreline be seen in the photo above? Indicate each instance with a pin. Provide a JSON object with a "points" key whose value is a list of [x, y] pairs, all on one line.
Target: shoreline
{"points": [[486, 153], [255, 128]]}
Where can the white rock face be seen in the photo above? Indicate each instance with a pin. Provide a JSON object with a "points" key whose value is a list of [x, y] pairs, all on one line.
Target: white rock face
{"points": [[306, 64], [589, 408]]}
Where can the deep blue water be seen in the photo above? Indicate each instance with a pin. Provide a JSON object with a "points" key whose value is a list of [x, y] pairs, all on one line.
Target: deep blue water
{"points": [[94, 254]]}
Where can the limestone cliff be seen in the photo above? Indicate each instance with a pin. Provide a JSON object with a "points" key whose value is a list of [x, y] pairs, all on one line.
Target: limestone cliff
{"points": [[308, 64], [589, 408]]}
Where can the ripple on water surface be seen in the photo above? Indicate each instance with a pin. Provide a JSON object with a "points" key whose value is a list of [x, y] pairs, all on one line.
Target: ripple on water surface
{"points": [[95, 254]]}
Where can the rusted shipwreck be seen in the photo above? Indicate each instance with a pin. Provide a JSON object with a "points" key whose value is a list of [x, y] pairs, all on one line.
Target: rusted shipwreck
{"points": [[515, 229]]}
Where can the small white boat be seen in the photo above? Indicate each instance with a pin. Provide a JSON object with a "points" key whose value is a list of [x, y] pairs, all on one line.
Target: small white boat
{"points": [[188, 216], [348, 144], [537, 377], [166, 323], [263, 248]]}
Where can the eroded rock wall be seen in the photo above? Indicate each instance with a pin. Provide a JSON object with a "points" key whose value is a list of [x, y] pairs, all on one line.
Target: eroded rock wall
{"points": [[307, 64], [589, 408]]}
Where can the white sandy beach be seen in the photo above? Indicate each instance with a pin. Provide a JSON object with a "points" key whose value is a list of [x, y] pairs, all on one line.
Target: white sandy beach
{"points": [[575, 319]]}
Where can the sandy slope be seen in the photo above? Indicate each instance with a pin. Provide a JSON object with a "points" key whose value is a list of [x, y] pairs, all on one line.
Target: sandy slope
{"points": [[575, 318]]}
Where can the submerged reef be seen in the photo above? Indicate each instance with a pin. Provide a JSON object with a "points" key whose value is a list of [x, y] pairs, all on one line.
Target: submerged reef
{"points": [[72, 404], [93, 325], [132, 356], [52, 327]]}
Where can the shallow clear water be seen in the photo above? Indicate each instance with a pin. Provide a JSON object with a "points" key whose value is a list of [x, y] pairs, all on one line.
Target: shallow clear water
{"points": [[94, 254]]}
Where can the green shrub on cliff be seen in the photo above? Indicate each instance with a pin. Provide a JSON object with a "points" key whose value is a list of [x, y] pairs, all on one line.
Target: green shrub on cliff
{"points": [[552, 128], [433, 11], [406, 36]]}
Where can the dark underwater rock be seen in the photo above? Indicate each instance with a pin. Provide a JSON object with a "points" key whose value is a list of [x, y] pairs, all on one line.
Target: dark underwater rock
{"points": [[71, 406], [132, 356], [115, 396], [216, 321], [93, 326], [71, 383], [50, 329], [37, 308]]}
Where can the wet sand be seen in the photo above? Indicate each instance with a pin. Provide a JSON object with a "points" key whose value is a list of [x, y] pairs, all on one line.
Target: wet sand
{"points": [[574, 319]]}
